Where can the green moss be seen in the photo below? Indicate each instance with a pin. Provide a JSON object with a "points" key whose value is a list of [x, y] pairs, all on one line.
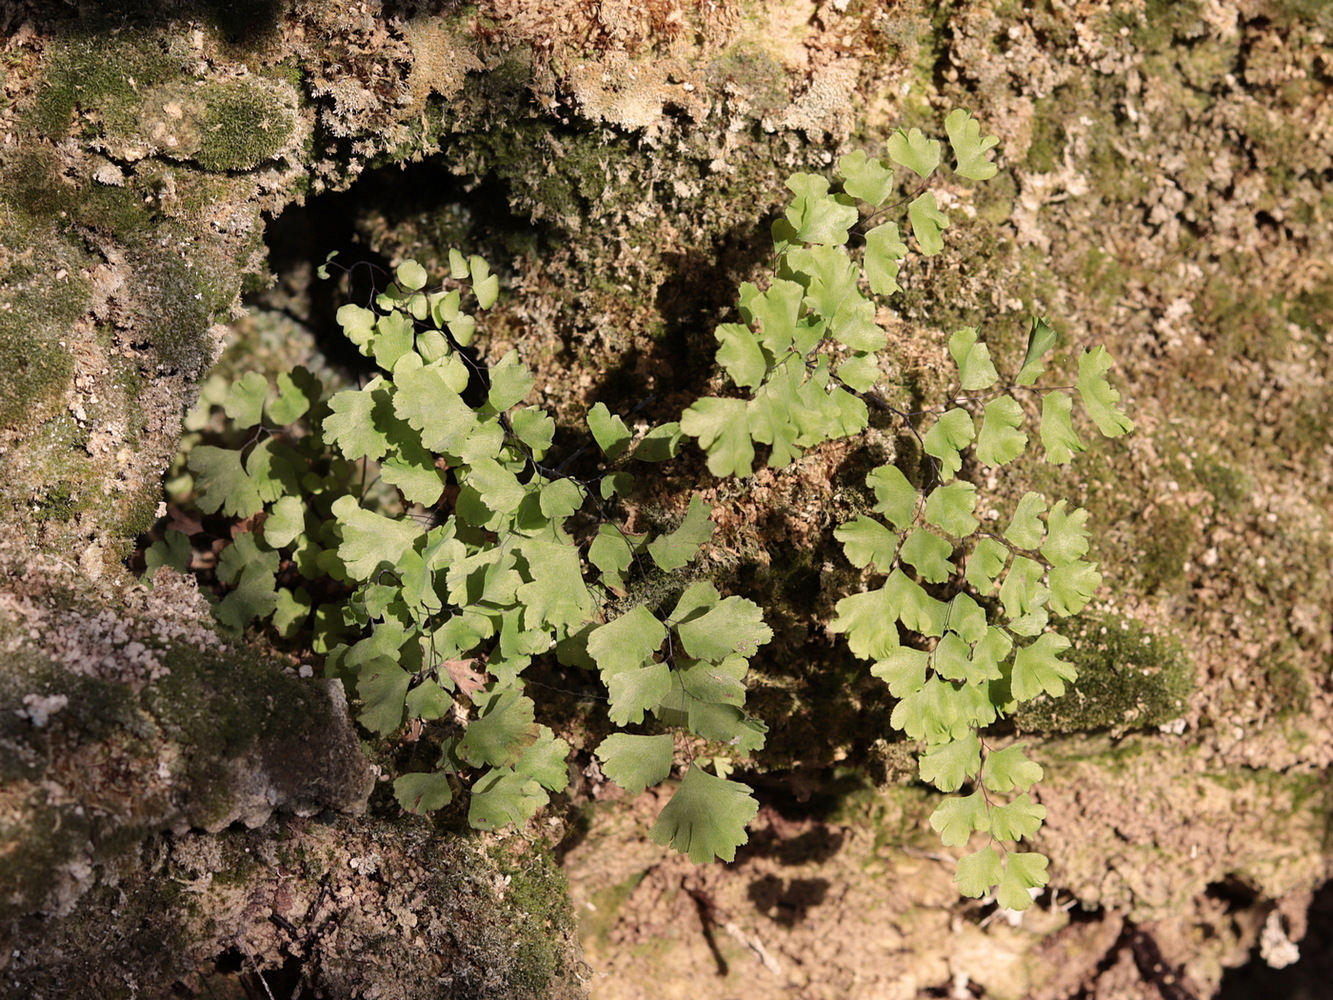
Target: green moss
{"points": [[1048, 135], [1127, 679], [538, 899], [1166, 536], [243, 124]]}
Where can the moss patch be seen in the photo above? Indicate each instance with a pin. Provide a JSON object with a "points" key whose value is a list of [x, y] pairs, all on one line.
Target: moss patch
{"points": [[1127, 679]]}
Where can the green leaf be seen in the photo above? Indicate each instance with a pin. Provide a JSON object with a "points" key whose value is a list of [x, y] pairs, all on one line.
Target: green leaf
{"points": [[916, 609], [244, 404], [633, 692], [866, 541], [950, 508], [172, 549], [546, 761], [504, 798], [636, 762], [1019, 819], [498, 487], [978, 872], [1038, 669], [1067, 535], [884, 253], [222, 482], [610, 432], [866, 178], [740, 354], [627, 642], [393, 339], [1041, 338], [1031, 624], [817, 216], [382, 687], [951, 658], [967, 618], [616, 484], [950, 764], [903, 670], [485, 286], [952, 432], [1022, 591], [975, 368], [659, 444], [428, 701], [560, 499], [510, 382], [915, 152], [776, 312], [860, 372], [285, 522], [869, 621], [423, 792], [358, 323], [255, 594], [1025, 529], [928, 222], [612, 553], [1009, 769], [927, 553], [535, 428], [674, 550], [1021, 873], [969, 148], [411, 468], [706, 817], [411, 275], [427, 400], [275, 469], [297, 392], [369, 540], [735, 625], [895, 497], [1073, 586], [1099, 398], [985, 564], [291, 610], [988, 653], [1057, 429], [955, 818], [722, 429], [933, 713], [501, 735], [556, 594], [1000, 440]]}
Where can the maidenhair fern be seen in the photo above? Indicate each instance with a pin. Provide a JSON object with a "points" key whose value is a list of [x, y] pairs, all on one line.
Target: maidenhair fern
{"points": [[518, 559]]}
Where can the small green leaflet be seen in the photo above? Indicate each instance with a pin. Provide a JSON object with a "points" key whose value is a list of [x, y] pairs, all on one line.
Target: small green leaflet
{"points": [[382, 686], [502, 733], [609, 431], [985, 564], [928, 222], [817, 216], [659, 444], [975, 368], [950, 508], [1022, 872], [740, 354], [244, 404], [1073, 586], [285, 522], [1025, 528], [929, 554], [885, 251], [952, 432], [1022, 591], [503, 797], [1008, 769], [485, 286], [423, 792], [706, 817], [979, 872], [633, 692], [866, 178], [895, 497], [967, 618], [546, 760], [370, 540], [947, 766], [612, 552], [1057, 429], [510, 382], [535, 428], [870, 622], [628, 642], [636, 762], [1017, 820], [969, 148], [1099, 398], [1041, 338], [172, 549], [735, 625], [915, 152], [1067, 535], [222, 483], [903, 670], [1038, 669], [672, 551], [722, 429], [1000, 441], [555, 594], [428, 400], [866, 541], [916, 609], [956, 817]]}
